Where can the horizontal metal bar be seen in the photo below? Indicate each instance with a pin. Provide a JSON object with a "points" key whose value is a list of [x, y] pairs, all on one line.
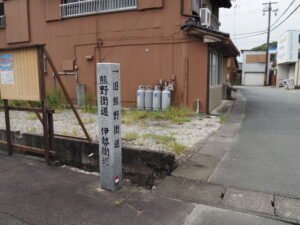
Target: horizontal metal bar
{"points": [[29, 149], [33, 150], [26, 109], [73, 137], [90, 7]]}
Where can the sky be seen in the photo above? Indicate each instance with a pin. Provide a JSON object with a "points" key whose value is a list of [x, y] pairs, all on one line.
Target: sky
{"points": [[247, 16]]}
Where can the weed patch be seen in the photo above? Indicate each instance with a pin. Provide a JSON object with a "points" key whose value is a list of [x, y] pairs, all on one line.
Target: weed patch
{"points": [[130, 136], [178, 148], [167, 141], [55, 99], [222, 119], [181, 120], [160, 139], [173, 114], [88, 104], [32, 116]]}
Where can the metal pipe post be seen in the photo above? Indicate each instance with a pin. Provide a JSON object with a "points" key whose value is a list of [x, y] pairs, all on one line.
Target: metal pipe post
{"points": [[8, 131]]}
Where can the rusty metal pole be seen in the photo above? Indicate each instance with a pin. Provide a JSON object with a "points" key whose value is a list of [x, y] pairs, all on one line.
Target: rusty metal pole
{"points": [[66, 93], [46, 133], [8, 131], [51, 130], [36, 113]]}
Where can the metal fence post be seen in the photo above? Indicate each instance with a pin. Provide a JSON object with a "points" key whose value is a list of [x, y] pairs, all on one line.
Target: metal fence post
{"points": [[8, 131], [109, 114]]}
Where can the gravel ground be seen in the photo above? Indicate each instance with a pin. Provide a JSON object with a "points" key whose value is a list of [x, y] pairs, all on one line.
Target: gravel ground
{"points": [[186, 134]]}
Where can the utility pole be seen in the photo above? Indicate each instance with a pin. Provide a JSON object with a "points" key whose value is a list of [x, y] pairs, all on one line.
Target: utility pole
{"points": [[269, 9]]}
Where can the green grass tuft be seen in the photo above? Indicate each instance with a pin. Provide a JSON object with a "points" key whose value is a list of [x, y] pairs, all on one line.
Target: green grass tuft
{"points": [[173, 114], [167, 141], [181, 120], [89, 104], [18, 103], [178, 148], [32, 116], [160, 139], [55, 99], [222, 119]]}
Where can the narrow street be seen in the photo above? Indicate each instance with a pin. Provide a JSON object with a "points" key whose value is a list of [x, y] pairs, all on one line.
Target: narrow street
{"points": [[244, 174], [266, 155]]}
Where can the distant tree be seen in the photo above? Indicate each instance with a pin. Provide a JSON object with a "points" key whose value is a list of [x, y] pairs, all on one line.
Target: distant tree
{"points": [[263, 47]]}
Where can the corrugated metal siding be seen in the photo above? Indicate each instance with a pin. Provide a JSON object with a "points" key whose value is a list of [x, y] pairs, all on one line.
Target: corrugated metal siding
{"points": [[26, 85]]}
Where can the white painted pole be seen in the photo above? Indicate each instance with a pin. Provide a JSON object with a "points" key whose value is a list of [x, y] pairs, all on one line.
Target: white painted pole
{"points": [[109, 120]]}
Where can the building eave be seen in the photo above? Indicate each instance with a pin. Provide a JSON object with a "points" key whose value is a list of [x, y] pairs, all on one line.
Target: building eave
{"points": [[224, 44]]}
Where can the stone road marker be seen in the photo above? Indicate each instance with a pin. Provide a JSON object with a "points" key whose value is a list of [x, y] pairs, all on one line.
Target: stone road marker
{"points": [[109, 119]]}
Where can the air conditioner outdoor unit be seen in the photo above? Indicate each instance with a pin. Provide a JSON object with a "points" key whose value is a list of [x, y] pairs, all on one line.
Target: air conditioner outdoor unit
{"points": [[205, 17]]}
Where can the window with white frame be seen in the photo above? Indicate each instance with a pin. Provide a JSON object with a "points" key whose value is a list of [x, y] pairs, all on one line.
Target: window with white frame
{"points": [[73, 8], [215, 69]]}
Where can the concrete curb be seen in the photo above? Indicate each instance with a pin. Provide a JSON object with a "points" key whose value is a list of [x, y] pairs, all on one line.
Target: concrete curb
{"points": [[140, 166], [206, 155]]}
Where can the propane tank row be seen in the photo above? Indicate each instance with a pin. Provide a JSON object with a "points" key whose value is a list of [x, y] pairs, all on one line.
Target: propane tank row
{"points": [[153, 99]]}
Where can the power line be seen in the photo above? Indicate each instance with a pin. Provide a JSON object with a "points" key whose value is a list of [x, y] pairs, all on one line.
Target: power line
{"points": [[264, 32], [253, 35], [254, 32], [287, 17], [283, 12], [258, 32]]}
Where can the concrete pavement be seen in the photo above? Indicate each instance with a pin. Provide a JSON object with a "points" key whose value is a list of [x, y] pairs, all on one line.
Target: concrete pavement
{"points": [[32, 193], [266, 154], [36, 194]]}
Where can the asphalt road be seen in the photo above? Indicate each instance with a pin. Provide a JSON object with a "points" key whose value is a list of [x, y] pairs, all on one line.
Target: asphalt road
{"points": [[266, 154], [32, 193]]}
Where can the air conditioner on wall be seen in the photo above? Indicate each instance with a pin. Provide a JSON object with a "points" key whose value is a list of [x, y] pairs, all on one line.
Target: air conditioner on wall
{"points": [[205, 17]]}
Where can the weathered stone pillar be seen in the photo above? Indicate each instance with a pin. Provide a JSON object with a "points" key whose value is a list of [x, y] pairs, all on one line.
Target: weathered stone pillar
{"points": [[109, 119]]}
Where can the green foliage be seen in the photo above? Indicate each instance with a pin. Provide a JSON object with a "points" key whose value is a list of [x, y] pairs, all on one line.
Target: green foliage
{"points": [[55, 99], [222, 119], [167, 141], [178, 148], [160, 139], [263, 47], [235, 83], [177, 115], [178, 112], [88, 107], [18, 103], [181, 120], [31, 116]]}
